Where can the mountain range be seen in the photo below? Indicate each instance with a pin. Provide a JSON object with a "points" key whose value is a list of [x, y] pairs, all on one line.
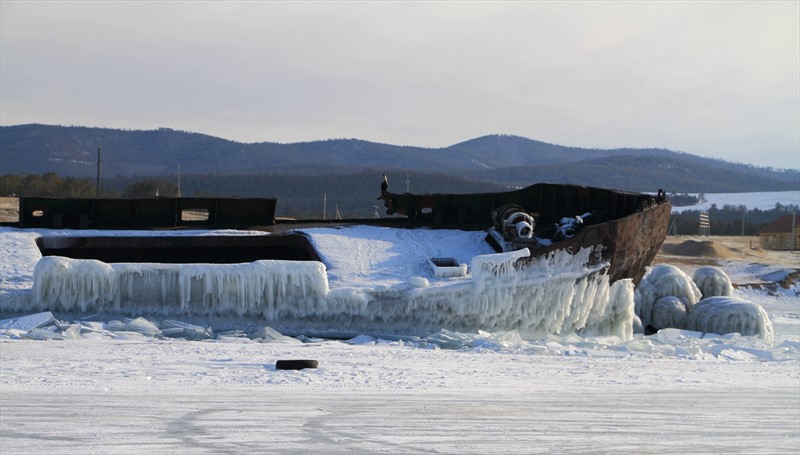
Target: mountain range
{"points": [[497, 159]]}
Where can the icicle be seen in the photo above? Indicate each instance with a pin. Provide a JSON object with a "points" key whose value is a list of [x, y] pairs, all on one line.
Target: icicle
{"points": [[70, 285], [556, 294], [242, 289]]}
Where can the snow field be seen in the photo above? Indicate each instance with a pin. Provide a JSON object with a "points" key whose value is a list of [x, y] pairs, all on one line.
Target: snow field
{"points": [[385, 397]]}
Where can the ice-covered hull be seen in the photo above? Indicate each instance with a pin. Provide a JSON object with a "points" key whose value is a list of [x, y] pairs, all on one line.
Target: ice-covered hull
{"points": [[556, 294]]}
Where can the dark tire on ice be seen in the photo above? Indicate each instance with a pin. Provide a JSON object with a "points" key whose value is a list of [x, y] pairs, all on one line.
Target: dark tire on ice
{"points": [[295, 364]]}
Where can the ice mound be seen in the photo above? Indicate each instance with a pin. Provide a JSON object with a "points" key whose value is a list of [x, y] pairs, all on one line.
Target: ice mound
{"points": [[669, 312], [137, 325], [667, 299], [179, 329], [660, 281], [712, 281], [723, 315], [27, 322]]}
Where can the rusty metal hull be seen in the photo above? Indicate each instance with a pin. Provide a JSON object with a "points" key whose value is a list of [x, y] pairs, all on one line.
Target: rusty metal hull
{"points": [[630, 227], [145, 213], [629, 244], [214, 249]]}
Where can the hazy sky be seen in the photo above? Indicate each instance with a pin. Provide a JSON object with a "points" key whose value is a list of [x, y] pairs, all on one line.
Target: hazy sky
{"points": [[719, 79]]}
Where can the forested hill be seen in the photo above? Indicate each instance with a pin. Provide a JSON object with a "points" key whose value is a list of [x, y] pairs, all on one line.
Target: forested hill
{"points": [[503, 160]]}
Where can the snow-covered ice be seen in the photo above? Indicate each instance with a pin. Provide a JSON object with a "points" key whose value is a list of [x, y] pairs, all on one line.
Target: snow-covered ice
{"points": [[173, 384]]}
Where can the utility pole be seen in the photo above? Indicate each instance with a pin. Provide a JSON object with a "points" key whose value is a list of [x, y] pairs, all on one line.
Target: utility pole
{"points": [[408, 184], [179, 180], [324, 205], [744, 212], [794, 231], [97, 195]]}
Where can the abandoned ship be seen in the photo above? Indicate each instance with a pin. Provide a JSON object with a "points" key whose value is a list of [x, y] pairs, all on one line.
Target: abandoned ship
{"points": [[548, 258]]}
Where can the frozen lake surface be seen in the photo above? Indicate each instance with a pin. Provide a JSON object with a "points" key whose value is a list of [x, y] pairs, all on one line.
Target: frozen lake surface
{"points": [[213, 397]]}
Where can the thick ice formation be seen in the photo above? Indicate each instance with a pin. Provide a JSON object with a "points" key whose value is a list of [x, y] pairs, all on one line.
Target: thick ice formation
{"points": [[29, 322], [667, 298], [712, 281], [138, 325], [259, 288], [663, 280], [178, 329], [557, 294], [67, 284], [723, 315], [490, 270], [669, 312]]}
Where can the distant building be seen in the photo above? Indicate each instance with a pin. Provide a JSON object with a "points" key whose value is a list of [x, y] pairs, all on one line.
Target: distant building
{"points": [[778, 235]]}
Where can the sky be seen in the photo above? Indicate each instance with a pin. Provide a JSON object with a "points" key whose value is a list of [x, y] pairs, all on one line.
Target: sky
{"points": [[716, 79]]}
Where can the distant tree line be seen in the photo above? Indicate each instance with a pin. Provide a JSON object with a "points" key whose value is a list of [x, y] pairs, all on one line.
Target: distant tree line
{"points": [[151, 187], [730, 219], [52, 185], [46, 185]]}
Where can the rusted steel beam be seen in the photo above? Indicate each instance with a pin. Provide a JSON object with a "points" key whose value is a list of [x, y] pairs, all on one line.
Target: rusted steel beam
{"points": [[145, 213]]}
